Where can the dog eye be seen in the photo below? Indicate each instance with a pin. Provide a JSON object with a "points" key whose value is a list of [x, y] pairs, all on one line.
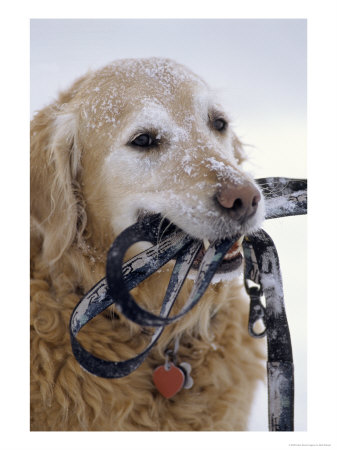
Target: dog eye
{"points": [[143, 140], [219, 124]]}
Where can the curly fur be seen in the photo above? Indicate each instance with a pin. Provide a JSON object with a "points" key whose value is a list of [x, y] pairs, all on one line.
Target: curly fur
{"points": [[74, 221]]}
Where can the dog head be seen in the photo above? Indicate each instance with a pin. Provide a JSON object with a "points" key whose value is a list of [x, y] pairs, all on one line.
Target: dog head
{"points": [[147, 136]]}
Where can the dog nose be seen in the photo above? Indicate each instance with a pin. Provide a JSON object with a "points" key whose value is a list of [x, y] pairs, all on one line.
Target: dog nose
{"points": [[240, 201]]}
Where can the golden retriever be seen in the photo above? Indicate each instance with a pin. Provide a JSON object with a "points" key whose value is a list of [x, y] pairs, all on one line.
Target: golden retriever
{"points": [[138, 136]]}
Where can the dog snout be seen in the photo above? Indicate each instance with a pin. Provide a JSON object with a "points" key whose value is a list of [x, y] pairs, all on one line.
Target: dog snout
{"points": [[239, 201]]}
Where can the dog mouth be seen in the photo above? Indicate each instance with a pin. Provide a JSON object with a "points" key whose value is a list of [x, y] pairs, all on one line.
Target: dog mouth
{"points": [[231, 261]]}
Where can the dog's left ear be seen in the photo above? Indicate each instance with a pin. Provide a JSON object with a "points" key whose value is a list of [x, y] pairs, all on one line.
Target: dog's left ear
{"points": [[239, 151], [57, 209]]}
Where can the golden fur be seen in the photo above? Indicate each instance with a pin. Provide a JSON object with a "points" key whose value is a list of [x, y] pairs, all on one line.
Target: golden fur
{"points": [[87, 185]]}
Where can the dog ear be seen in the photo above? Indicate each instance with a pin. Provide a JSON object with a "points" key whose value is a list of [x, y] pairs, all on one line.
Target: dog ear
{"points": [[58, 215], [239, 151]]}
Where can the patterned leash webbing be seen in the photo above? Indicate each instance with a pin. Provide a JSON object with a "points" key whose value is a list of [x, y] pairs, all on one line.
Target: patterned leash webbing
{"points": [[262, 267], [123, 278], [284, 197]]}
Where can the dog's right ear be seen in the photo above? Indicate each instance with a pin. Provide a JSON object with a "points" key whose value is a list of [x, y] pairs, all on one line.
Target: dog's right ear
{"points": [[57, 211]]}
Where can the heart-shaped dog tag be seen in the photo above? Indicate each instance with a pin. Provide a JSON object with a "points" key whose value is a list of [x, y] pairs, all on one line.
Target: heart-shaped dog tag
{"points": [[168, 379]]}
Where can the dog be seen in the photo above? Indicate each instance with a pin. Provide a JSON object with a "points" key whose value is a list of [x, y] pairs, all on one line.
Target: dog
{"points": [[137, 137]]}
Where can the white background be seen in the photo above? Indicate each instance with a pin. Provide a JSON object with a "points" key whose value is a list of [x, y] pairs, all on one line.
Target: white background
{"points": [[322, 119], [260, 68]]}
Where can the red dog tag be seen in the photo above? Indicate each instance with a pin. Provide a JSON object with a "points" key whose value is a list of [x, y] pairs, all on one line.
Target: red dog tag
{"points": [[169, 380]]}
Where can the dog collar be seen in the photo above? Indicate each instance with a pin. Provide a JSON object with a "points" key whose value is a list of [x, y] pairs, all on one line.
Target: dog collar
{"points": [[283, 197]]}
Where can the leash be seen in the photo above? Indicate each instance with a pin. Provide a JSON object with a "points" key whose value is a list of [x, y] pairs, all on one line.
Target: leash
{"points": [[263, 278], [262, 267], [284, 197], [123, 278]]}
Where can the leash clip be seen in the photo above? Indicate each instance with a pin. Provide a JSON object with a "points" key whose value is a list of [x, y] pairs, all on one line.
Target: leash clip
{"points": [[256, 310], [170, 357]]}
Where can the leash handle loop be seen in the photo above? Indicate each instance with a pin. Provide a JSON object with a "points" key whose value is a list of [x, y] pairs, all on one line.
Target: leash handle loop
{"points": [[95, 302], [118, 290]]}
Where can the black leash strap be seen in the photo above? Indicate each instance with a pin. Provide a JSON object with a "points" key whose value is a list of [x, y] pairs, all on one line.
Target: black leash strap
{"points": [[263, 269], [122, 278], [119, 291], [283, 197]]}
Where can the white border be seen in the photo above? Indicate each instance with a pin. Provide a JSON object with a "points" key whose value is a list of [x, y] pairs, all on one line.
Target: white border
{"points": [[322, 119]]}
